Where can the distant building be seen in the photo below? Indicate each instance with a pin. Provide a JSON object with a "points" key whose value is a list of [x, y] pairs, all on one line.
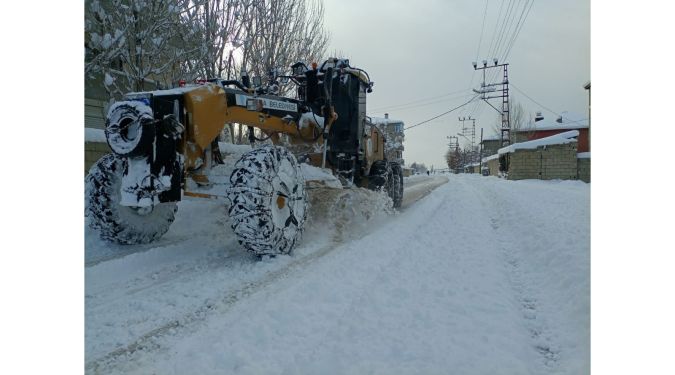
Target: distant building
{"points": [[546, 127], [491, 144], [393, 134]]}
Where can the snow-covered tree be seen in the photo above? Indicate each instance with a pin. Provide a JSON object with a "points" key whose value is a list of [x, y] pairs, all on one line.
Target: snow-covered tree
{"points": [[282, 32], [418, 167], [453, 158], [136, 44], [518, 119]]}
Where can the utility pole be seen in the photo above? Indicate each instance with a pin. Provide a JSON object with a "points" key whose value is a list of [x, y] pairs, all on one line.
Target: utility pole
{"points": [[480, 153], [466, 132], [489, 91], [454, 144]]}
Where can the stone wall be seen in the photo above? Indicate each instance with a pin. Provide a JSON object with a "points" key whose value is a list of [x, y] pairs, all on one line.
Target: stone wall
{"points": [[584, 169], [92, 152], [545, 163], [493, 165]]}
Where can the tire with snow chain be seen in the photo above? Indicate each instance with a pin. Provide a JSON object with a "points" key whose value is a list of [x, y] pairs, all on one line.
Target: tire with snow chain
{"points": [[130, 129], [121, 224], [269, 203], [397, 184], [382, 176], [378, 177]]}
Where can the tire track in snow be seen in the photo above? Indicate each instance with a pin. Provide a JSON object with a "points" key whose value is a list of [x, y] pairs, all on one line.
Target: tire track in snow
{"points": [[148, 341], [375, 279], [539, 331]]}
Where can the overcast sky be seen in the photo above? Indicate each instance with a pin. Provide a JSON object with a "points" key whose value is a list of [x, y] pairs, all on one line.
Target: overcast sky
{"points": [[420, 52]]}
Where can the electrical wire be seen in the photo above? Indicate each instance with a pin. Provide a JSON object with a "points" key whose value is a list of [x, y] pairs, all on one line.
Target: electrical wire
{"points": [[432, 102], [546, 108], [513, 40], [509, 8], [494, 32], [480, 40], [396, 106], [442, 114], [508, 31]]}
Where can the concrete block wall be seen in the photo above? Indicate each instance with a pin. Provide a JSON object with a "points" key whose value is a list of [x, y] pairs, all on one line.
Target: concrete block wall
{"points": [[92, 152], [584, 169], [493, 165], [546, 163]]}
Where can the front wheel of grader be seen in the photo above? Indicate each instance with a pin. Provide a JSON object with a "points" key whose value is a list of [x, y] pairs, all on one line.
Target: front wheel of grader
{"points": [[268, 201], [113, 221]]}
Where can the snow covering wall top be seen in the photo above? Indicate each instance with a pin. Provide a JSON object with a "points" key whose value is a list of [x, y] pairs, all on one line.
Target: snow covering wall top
{"points": [[491, 157], [558, 139]]}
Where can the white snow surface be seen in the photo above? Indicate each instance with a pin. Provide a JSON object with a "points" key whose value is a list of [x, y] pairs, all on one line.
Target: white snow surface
{"points": [[561, 138], [482, 276], [312, 173], [94, 135], [383, 121], [584, 155], [491, 157], [492, 137]]}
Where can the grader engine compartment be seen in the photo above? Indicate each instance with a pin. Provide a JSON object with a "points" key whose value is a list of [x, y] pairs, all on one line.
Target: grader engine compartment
{"points": [[165, 143]]}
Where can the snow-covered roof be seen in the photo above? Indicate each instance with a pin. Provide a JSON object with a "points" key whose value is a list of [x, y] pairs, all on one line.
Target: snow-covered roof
{"points": [[492, 137], [173, 91], [558, 139], [570, 121], [384, 121], [584, 155], [491, 157]]}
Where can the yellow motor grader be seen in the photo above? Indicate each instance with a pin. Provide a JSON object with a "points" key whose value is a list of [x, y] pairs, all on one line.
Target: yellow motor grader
{"points": [[165, 141]]}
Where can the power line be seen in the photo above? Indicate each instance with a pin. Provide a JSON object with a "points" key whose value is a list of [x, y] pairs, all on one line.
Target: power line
{"points": [[546, 108], [497, 46], [502, 29], [507, 32], [534, 101], [405, 108], [442, 114], [513, 40], [419, 100], [494, 32], [480, 40]]}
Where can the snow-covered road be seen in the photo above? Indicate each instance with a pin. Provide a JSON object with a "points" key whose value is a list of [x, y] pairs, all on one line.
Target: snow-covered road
{"points": [[482, 276]]}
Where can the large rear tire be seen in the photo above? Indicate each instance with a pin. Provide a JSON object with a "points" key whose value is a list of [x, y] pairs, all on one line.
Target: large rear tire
{"points": [[397, 184], [269, 203], [378, 177], [121, 224], [388, 177]]}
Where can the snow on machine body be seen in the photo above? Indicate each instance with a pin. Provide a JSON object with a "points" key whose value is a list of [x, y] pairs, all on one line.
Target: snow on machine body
{"points": [[165, 145]]}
